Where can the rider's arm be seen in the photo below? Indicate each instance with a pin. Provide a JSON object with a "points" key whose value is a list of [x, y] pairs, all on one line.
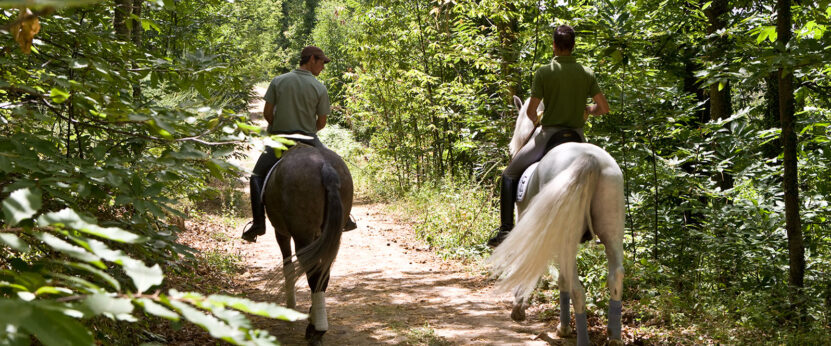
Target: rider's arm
{"points": [[531, 112], [268, 112], [321, 122], [600, 107]]}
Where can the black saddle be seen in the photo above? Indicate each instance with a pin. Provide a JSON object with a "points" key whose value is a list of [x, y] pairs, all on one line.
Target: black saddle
{"points": [[563, 136]]}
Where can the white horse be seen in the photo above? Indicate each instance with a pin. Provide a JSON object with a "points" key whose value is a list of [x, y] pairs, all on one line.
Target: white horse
{"points": [[576, 186]]}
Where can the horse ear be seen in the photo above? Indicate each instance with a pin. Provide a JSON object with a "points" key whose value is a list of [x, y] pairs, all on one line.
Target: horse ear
{"points": [[517, 102]]}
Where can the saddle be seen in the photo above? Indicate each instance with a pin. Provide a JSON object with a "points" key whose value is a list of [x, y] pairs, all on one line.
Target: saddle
{"points": [[564, 136]]}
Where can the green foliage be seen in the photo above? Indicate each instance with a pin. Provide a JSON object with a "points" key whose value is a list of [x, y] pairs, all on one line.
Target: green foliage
{"points": [[103, 136]]}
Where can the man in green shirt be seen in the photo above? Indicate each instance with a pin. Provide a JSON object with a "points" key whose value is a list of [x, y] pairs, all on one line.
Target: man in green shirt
{"points": [[563, 86], [295, 103]]}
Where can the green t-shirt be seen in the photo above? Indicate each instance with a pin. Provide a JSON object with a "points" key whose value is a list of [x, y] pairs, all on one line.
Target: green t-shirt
{"points": [[563, 86], [298, 99]]}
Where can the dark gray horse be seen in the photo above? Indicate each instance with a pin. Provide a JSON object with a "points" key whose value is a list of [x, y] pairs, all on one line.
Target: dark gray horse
{"points": [[308, 197]]}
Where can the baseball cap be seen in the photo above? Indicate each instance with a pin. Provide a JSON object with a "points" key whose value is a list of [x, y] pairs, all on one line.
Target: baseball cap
{"points": [[314, 51]]}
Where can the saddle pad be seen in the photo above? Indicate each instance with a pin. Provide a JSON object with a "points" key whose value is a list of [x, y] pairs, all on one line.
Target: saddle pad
{"points": [[262, 190], [523, 181]]}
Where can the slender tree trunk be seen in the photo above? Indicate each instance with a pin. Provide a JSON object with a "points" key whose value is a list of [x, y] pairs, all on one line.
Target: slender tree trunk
{"points": [[796, 249], [121, 15], [721, 105], [508, 48], [137, 32], [771, 120]]}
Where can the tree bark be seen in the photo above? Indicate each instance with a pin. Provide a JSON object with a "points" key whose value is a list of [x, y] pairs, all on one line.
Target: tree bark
{"points": [[507, 30], [121, 15], [137, 30], [793, 226], [721, 105]]}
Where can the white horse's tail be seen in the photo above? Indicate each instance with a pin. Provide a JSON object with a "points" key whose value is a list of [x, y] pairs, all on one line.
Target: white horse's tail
{"points": [[549, 230]]}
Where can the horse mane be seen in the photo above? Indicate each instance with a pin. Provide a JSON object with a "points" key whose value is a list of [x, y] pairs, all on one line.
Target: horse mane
{"points": [[524, 127]]}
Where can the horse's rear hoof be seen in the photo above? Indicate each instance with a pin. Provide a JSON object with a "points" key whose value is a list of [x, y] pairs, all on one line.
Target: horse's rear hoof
{"points": [[616, 342], [564, 331], [518, 314], [315, 337]]}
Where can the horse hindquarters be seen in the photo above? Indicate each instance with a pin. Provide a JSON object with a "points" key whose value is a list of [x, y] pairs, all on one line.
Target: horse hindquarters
{"points": [[550, 228]]}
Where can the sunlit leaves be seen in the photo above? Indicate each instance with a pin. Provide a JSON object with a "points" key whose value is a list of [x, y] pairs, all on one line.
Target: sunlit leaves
{"points": [[21, 204], [69, 218]]}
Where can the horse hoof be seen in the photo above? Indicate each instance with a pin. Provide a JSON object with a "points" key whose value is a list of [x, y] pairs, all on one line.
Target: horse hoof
{"points": [[518, 314], [314, 336], [563, 331], [615, 342]]}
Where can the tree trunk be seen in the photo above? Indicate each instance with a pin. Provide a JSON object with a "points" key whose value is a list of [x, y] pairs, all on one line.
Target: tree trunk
{"points": [[507, 30], [796, 249], [773, 148], [137, 30], [721, 105], [121, 15], [137, 37]]}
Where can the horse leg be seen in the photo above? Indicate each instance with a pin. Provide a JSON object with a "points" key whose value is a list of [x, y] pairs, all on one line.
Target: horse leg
{"points": [[608, 221], [565, 315], [578, 293], [614, 254], [288, 285], [520, 304], [318, 322]]}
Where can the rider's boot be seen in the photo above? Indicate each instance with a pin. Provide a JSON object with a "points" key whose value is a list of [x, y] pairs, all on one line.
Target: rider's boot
{"points": [[350, 224], [507, 196], [257, 210]]}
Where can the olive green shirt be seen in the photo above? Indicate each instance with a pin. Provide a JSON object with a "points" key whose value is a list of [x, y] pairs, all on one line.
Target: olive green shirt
{"points": [[563, 86], [298, 99]]}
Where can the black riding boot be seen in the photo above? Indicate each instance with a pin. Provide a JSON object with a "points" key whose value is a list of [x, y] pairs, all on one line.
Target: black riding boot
{"points": [[507, 196], [257, 210]]}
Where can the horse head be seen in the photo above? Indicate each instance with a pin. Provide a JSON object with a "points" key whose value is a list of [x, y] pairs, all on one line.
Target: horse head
{"points": [[524, 127]]}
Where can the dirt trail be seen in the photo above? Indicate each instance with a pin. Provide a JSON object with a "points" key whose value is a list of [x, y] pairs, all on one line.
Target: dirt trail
{"points": [[386, 288]]}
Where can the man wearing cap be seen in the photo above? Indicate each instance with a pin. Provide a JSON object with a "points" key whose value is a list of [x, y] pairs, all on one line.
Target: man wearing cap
{"points": [[295, 103]]}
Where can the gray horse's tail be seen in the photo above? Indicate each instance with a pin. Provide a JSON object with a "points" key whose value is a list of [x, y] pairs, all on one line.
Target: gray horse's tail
{"points": [[317, 257]]}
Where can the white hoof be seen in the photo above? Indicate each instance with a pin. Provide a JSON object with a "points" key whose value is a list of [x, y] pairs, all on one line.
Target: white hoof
{"points": [[564, 331]]}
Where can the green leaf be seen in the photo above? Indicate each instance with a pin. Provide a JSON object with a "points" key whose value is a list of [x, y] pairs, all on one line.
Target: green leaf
{"points": [[248, 129], [112, 307], [269, 310], [58, 95], [156, 309], [47, 324], [56, 328], [69, 249], [21, 204], [143, 276], [69, 218], [14, 242], [215, 327], [98, 272]]}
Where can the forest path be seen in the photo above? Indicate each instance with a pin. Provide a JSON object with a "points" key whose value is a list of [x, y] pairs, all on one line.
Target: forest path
{"points": [[386, 288]]}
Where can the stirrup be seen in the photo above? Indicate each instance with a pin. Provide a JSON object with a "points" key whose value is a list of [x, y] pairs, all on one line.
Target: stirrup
{"points": [[251, 234]]}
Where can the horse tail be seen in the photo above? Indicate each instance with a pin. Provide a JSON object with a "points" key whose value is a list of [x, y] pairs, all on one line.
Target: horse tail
{"points": [[318, 256], [549, 230]]}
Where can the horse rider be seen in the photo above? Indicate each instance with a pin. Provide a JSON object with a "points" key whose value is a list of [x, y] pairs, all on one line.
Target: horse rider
{"points": [[563, 85], [295, 103]]}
